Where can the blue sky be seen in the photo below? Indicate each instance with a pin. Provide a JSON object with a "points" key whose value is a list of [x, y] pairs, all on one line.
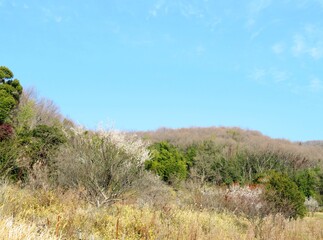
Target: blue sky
{"points": [[254, 64]]}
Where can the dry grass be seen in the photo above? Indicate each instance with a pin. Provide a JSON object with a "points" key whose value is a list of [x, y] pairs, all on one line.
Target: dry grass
{"points": [[19, 230], [30, 214]]}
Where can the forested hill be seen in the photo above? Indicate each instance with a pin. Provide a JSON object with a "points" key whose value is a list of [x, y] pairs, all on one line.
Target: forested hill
{"points": [[315, 143], [236, 138]]}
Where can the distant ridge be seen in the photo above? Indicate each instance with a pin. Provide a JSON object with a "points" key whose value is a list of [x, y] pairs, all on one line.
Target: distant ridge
{"points": [[236, 137], [314, 143]]}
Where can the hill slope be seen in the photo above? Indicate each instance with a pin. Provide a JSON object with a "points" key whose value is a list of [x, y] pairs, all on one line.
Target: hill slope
{"points": [[236, 137]]}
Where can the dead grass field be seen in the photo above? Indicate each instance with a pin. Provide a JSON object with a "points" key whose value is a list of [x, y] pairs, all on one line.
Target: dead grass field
{"points": [[31, 214]]}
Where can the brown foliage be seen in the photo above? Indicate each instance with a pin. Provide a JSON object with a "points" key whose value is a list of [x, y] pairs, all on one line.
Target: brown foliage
{"points": [[303, 154]]}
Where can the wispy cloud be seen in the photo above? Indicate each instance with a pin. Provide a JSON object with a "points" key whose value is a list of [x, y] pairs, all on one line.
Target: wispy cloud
{"points": [[298, 46], [271, 76], [315, 85], [278, 48], [188, 9], [255, 8], [257, 33], [14, 4], [49, 15], [309, 42], [159, 6], [258, 75], [200, 50], [285, 80], [192, 52], [280, 76], [316, 52], [214, 22], [184, 8], [140, 42]]}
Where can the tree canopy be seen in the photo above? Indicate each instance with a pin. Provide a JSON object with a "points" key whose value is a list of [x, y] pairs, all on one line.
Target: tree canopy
{"points": [[5, 74], [10, 91]]}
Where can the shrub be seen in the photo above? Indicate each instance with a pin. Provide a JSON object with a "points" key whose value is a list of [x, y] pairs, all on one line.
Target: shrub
{"points": [[207, 154], [245, 200], [7, 103], [40, 143], [228, 164], [9, 152], [104, 163], [307, 181], [6, 131], [283, 196], [167, 161], [33, 111]]}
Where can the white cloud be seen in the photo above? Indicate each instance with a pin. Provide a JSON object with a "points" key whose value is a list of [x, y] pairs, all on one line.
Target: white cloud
{"points": [[280, 76], [298, 45], [250, 22], [258, 75], [58, 19], [214, 23], [315, 85], [278, 48], [271, 76], [257, 6], [189, 10], [200, 50], [14, 4], [257, 33], [309, 42], [49, 15], [254, 11], [200, 10], [158, 6], [316, 52], [184, 8]]}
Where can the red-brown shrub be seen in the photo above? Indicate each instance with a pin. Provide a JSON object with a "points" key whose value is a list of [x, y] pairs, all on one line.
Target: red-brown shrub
{"points": [[6, 131]]}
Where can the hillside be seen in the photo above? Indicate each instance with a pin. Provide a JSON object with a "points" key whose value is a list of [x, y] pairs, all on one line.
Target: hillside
{"points": [[63, 181], [236, 137], [314, 143]]}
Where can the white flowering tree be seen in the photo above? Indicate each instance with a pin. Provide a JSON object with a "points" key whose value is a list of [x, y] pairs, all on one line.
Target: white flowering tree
{"points": [[103, 163]]}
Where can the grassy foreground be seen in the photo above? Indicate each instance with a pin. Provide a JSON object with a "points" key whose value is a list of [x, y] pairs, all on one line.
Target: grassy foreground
{"points": [[31, 214]]}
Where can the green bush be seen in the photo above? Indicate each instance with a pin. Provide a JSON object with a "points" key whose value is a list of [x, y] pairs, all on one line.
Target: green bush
{"points": [[227, 163], [320, 187], [40, 143], [167, 161], [9, 150], [7, 103], [283, 195], [307, 181]]}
